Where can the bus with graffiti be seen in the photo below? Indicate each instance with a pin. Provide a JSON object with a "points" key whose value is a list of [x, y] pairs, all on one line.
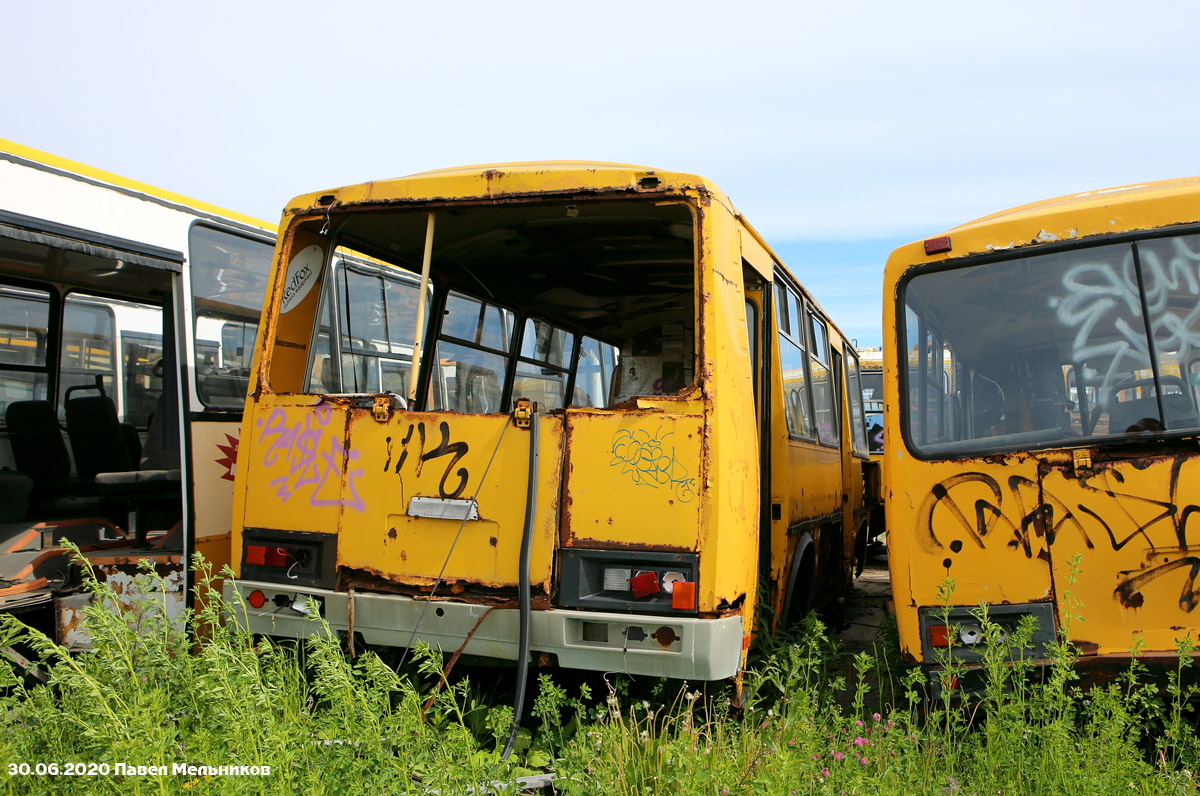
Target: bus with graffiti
{"points": [[1042, 391], [127, 321], [614, 411]]}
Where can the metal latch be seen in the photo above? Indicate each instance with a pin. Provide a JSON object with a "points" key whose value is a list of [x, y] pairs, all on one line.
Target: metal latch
{"points": [[523, 413], [1082, 459], [382, 409]]}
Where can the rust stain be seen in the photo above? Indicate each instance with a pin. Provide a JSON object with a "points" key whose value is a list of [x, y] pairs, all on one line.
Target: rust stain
{"points": [[493, 541], [392, 532], [418, 587]]}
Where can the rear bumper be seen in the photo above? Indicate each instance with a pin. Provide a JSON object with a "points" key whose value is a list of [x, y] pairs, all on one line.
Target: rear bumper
{"points": [[663, 646]]}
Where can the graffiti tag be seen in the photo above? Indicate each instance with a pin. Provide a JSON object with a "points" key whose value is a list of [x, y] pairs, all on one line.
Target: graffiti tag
{"points": [[444, 448], [1026, 516], [1102, 303], [311, 457], [645, 458]]}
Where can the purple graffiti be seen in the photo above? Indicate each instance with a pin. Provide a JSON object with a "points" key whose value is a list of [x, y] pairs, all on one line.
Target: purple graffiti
{"points": [[311, 457]]}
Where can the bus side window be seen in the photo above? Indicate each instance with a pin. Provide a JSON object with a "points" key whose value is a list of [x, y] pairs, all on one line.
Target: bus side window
{"points": [[797, 398], [24, 321]]}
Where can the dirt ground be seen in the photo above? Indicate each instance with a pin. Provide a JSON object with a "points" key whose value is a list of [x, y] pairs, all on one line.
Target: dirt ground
{"points": [[865, 615]]}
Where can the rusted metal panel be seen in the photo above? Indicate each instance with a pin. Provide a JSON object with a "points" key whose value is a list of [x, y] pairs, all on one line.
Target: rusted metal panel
{"points": [[633, 481], [135, 594]]}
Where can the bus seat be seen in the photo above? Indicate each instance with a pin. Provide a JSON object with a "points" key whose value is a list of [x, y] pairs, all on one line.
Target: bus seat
{"points": [[1124, 415], [154, 491], [157, 453], [40, 453], [37, 442], [97, 439], [1179, 412]]}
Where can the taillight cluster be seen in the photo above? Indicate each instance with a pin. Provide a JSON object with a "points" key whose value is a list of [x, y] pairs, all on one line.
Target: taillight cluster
{"points": [[647, 583], [961, 629], [633, 581], [967, 634]]}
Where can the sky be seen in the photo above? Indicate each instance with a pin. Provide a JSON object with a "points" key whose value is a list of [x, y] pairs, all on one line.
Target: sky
{"points": [[840, 130]]}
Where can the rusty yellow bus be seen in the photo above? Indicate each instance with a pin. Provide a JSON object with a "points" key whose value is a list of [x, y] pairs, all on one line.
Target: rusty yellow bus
{"points": [[611, 408], [1041, 388]]}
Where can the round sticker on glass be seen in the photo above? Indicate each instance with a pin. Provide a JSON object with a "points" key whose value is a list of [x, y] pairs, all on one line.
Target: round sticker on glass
{"points": [[301, 276]]}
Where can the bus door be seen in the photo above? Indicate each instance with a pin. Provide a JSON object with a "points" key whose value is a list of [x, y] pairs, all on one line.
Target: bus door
{"points": [[228, 277]]}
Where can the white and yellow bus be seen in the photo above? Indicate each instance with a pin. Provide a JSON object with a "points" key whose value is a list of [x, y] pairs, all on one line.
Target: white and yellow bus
{"points": [[126, 306]]}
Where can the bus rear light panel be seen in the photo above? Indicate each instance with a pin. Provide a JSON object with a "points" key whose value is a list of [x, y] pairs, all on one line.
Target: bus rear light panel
{"points": [[294, 558], [622, 580], [965, 638]]}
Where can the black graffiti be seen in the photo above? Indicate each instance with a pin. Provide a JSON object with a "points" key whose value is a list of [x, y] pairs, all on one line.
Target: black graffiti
{"points": [[1041, 517], [1042, 520], [444, 448]]}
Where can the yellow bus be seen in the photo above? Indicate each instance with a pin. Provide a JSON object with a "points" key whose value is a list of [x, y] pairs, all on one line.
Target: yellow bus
{"points": [[1041, 391], [610, 409], [127, 322]]}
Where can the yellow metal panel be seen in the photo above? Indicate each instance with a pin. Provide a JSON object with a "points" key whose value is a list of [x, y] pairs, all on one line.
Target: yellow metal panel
{"points": [[1127, 522], [296, 471], [729, 527], [446, 455], [633, 480]]}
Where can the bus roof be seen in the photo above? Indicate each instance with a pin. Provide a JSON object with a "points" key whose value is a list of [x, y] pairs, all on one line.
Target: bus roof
{"points": [[1109, 211], [512, 179], [13, 151]]}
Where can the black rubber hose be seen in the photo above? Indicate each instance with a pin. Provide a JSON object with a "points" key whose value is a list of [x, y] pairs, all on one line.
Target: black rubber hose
{"points": [[523, 585]]}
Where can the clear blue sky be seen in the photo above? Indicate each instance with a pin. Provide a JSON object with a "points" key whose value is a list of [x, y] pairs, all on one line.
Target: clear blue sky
{"points": [[839, 129]]}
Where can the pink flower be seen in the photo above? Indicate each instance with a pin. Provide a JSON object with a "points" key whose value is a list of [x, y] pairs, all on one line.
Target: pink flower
{"points": [[863, 761], [876, 716], [861, 741], [838, 756], [859, 722], [825, 773]]}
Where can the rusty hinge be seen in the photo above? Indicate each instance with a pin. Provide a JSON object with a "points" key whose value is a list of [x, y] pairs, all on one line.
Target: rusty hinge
{"points": [[523, 413], [382, 409], [1082, 459]]}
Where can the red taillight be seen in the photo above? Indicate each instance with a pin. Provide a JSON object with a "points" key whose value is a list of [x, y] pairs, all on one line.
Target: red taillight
{"points": [[644, 584], [264, 556], [683, 596], [256, 599], [939, 636], [937, 245], [256, 554]]}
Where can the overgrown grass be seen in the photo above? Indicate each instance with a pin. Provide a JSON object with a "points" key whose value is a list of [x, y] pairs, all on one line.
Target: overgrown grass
{"points": [[323, 723]]}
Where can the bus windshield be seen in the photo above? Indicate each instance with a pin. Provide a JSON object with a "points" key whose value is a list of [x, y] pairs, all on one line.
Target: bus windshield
{"points": [[1038, 351]]}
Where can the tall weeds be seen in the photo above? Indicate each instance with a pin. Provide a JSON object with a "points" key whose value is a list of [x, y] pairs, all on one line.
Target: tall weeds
{"points": [[150, 694]]}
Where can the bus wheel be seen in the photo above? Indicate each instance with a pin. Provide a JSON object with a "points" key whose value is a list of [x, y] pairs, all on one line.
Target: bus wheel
{"points": [[802, 583], [860, 548]]}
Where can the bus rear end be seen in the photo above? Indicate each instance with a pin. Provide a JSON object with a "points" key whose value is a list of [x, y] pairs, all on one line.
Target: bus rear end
{"points": [[558, 429], [1042, 389]]}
